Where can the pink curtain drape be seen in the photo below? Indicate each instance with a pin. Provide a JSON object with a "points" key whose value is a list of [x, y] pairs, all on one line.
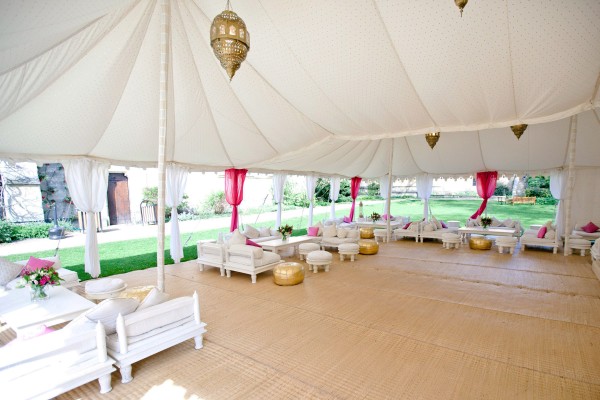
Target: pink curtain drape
{"points": [[234, 192], [354, 187], [486, 185]]}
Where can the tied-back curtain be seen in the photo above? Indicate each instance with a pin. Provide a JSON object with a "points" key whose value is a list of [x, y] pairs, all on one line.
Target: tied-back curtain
{"points": [[175, 187], [424, 189], [354, 188], [234, 192], [558, 184], [311, 183], [278, 184], [384, 182], [486, 185], [87, 181], [334, 192]]}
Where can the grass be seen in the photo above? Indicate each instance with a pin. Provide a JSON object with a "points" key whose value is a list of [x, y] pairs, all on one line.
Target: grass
{"points": [[137, 254]]}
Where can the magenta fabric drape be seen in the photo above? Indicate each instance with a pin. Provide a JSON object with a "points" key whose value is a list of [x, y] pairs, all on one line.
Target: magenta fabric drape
{"points": [[354, 187], [234, 192], [486, 185]]}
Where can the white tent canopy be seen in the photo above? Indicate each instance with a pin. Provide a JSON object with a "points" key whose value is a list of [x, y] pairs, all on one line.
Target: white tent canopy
{"points": [[323, 84]]}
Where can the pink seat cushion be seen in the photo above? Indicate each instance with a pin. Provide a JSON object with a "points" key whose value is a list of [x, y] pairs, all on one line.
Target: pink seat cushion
{"points": [[590, 227], [542, 232], [36, 263], [313, 231], [251, 243], [443, 224], [347, 220], [406, 226]]}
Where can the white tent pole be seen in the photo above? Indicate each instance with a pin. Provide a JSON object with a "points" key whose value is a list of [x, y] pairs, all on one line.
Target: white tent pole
{"points": [[570, 181], [388, 201], [162, 138]]}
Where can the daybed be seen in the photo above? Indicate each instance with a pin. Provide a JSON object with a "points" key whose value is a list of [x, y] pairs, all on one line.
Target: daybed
{"points": [[46, 366], [543, 237], [333, 236], [249, 259], [595, 254], [410, 229], [10, 273], [434, 229]]}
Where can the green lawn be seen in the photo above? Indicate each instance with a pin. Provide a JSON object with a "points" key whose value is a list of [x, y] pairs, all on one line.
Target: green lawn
{"points": [[120, 257]]}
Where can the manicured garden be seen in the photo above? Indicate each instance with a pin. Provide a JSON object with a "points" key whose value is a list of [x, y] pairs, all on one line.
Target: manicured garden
{"points": [[120, 257]]}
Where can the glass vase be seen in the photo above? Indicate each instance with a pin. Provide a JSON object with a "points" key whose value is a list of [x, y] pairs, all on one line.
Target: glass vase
{"points": [[38, 293], [284, 237]]}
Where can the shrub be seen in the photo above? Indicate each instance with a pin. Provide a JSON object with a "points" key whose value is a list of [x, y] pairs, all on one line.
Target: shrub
{"points": [[373, 189], [10, 232], [322, 191], [216, 202], [151, 194], [502, 189], [292, 198]]}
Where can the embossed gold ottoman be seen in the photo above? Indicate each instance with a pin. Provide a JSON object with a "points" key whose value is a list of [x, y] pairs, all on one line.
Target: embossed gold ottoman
{"points": [[367, 233], [368, 247], [480, 243], [288, 274]]}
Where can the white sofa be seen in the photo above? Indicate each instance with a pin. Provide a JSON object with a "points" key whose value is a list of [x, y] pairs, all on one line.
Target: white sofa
{"points": [[530, 238], [434, 230], [333, 236], [150, 330], [412, 231], [70, 278], [578, 230], [46, 366], [249, 260]]}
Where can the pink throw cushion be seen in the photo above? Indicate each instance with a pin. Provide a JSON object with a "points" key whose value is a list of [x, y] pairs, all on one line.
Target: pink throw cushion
{"points": [[36, 263], [443, 224], [542, 232], [385, 217], [590, 227], [313, 231], [251, 243], [406, 226], [347, 220]]}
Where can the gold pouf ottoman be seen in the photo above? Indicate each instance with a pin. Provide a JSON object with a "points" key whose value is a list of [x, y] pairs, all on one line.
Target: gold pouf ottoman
{"points": [[480, 243], [368, 247], [288, 274], [366, 233]]}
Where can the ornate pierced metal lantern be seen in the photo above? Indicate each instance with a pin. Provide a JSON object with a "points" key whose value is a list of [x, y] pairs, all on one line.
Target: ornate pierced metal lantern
{"points": [[461, 5], [518, 130], [230, 40], [432, 138]]}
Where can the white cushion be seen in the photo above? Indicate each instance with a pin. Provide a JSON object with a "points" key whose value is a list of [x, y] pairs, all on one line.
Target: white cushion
{"points": [[580, 242], [329, 231], [353, 234], [320, 226], [153, 298], [264, 232], [251, 232], [256, 251], [318, 256], [236, 238], [108, 310], [159, 315], [438, 224], [104, 285], [308, 246], [342, 233], [428, 228], [550, 234], [8, 271]]}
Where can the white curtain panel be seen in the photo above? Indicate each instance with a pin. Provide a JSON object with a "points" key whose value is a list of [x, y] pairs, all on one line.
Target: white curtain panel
{"points": [[278, 184], [424, 189], [88, 183], [384, 182], [175, 188], [334, 192], [311, 184], [558, 184]]}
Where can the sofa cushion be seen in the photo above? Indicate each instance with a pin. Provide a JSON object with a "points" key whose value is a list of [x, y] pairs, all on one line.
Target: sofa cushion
{"points": [[108, 310], [590, 227], [264, 232], [256, 251], [236, 238], [8, 271], [342, 233], [353, 234], [542, 232], [329, 231], [153, 298], [153, 317], [251, 232], [550, 234], [313, 231], [251, 243], [56, 260], [38, 263]]}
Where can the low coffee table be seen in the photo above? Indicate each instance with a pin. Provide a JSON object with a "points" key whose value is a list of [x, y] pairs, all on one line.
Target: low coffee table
{"points": [[19, 313], [277, 244]]}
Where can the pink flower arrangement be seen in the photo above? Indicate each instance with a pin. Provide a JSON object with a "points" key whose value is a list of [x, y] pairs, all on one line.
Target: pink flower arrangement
{"points": [[40, 276]]}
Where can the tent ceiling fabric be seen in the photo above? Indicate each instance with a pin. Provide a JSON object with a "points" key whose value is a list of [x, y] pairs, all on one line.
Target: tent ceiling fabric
{"points": [[328, 87]]}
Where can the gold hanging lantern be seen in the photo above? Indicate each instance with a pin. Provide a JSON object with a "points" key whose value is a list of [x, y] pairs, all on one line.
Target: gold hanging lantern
{"points": [[229, 40], [432, 138], [461, 5], [518, 130]]}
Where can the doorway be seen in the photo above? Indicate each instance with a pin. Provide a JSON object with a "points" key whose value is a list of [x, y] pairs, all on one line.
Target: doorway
{"points": [[119, 211]]}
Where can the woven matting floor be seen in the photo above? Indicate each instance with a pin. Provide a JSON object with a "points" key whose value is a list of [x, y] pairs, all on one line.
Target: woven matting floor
{"points": [[415, 321]]}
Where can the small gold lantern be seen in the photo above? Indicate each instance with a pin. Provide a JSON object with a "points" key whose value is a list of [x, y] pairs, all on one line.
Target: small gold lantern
{"points": [[432, 138], [518, 130], [230, 40], [461, 5]]}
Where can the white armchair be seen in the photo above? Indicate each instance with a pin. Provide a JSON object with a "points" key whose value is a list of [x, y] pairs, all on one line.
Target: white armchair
{"points": [[211, 255], [250, 260]]}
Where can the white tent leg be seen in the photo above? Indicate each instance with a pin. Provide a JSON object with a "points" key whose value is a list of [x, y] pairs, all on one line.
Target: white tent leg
{"points": [[570, 181], [165, 42], [388, 200]]}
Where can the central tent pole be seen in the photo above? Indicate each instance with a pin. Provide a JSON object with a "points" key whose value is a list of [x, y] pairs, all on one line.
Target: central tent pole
{"points": [[162, 138], [388, 201], [570, 182]]}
